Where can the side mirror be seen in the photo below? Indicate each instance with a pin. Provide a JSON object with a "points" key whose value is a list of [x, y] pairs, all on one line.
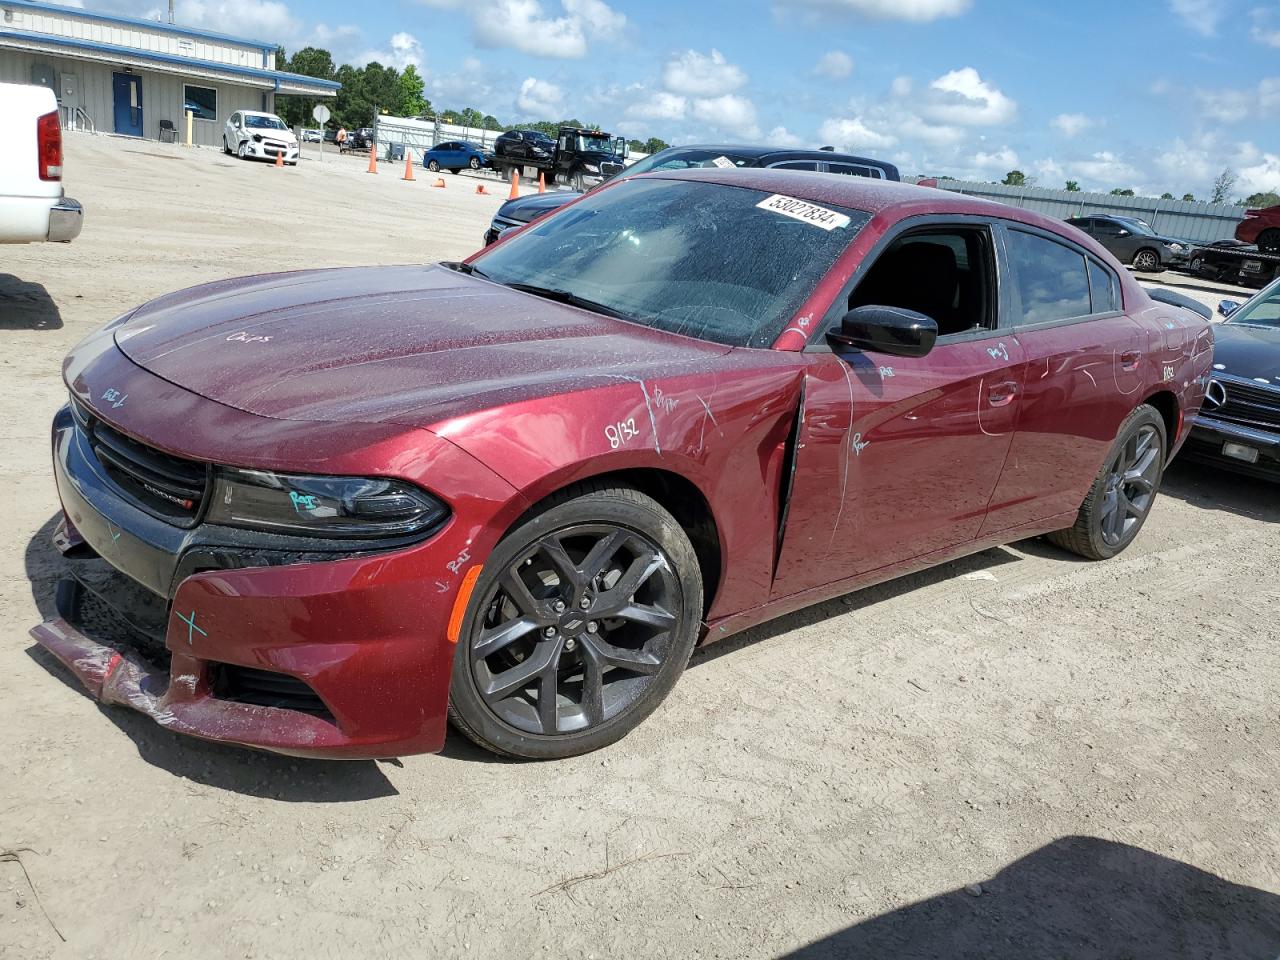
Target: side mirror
{"points": [[1228, 307], [891, 330]]}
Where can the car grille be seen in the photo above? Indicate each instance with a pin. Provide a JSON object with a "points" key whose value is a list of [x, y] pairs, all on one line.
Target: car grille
{"points": [[1249, 405], [265, 688], [167, 487], [610, 169]]}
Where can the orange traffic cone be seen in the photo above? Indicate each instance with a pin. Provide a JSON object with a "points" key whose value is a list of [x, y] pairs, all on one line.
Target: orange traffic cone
{"points": [[480, 188], [280, 159], [515, 185], [408, 166], [373, 158], [542, 182], [440, 183]]}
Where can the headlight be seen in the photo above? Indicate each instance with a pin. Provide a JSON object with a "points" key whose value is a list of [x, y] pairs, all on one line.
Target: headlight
{"points": [[321, 506], [1175, 247], [591, 167], [257, 138]]}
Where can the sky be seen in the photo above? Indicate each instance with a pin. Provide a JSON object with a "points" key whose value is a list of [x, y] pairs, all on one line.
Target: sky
{"points": [[1151, 95]]}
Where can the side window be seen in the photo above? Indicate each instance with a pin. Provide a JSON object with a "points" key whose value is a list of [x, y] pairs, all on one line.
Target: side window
{"points": [[1082, 223], [1102, 289], [946, 273], [235, 119], [795, 165], [1051, 277], [852, 170]]}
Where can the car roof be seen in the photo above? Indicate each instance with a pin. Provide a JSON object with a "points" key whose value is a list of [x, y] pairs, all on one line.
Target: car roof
{"points": [[756, 152], [256, 113], [873, 196]]}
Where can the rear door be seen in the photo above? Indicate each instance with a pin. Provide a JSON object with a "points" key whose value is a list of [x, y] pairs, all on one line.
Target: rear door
{"points": [[1084, 363], [896, 457]]}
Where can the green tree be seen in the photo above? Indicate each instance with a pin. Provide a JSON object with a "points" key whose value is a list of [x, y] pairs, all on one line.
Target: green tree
{"points": [[1269, 199], [1073, 186], [1166, 196], [1222, 185], [1190, 197], [310, 62], [1015, 178], [1122, 192], [412, 101], [490, 122], [654, 144], [471, 117]]}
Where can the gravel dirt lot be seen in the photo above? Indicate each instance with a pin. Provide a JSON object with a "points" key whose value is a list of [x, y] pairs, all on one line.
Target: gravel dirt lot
{"points": [[1015, 755]]}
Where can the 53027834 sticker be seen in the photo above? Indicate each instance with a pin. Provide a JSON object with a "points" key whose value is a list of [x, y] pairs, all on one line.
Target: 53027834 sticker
{"points": [[804, 211]]}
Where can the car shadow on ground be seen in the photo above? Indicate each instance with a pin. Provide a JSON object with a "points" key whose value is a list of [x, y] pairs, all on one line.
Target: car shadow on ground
{"points": [[1214, 488], [239, 769], [978, 563], [26, 306], [1078, 898]]}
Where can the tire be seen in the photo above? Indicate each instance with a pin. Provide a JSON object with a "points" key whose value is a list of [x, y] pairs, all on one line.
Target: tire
{"points": [[433, 166], [225, 148], [1147, 260], [1269, 241], [529, 621], [474, 163], [242, 151], [455, 170], [579, 184], [1132, 471]]}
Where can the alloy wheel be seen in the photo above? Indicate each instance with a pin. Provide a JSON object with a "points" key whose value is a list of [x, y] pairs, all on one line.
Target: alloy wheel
{"points": [[433, 166], [575, 629], [475, 163], [1130, 485], [1146, 260]]}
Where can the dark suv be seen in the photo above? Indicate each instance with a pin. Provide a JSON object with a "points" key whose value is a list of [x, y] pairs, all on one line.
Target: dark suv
{"points": [[524, 145], [516, 213], [1131, 240]]}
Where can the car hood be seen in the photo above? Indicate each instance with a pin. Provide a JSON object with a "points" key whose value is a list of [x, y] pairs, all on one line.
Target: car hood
{"points": [[1249, 352], [412, 345], [535, 205]]}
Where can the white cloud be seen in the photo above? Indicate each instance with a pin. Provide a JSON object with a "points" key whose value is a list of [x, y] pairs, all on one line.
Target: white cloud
{"points": [[901, 87], [963, 97], [539, 98], [402, 50], [261, 19], [1003, 159], [835, 64], [918, 11], [655, 104], [702, 75], [1106, 169], [1201, 16], [1071, 124], [1189, 163], [525, 25], [1261, 177], [782, 137], [853, 134], [599, 20], [1233, 106], [1265, 30], [911, 127], [729, 113]]}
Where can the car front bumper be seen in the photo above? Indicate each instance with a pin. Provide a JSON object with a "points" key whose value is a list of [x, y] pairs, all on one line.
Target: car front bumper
{"points": [[270, 149], [1209, 439], [336, 651]]}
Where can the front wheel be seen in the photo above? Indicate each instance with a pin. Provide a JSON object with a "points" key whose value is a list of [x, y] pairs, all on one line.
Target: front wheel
{"points": [[579, 184], [579, 625], [474, 163], [1121, 497], [1146, 260], [242, 151], [433, 166]]}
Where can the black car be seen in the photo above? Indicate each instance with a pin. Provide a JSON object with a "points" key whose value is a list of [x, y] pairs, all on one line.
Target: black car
{"points": [[1238, 426], [516, 213], [1131, 240], [524, 145]]}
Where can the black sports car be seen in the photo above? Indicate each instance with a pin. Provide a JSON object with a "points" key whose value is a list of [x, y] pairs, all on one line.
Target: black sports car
{"points": [[1238, 426]]}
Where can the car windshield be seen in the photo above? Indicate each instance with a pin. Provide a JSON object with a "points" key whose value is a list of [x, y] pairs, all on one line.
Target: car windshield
{"points": [[1136, 226], [684, 159], [1262, 311], [599, 143], [264, 123], [705, 260]]}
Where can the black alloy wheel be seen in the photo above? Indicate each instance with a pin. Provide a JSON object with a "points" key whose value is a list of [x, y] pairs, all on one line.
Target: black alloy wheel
{"points": [[1124, 491], [582, 620]]}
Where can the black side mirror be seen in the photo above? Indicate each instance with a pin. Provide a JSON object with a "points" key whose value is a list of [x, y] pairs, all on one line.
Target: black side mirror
{"points": [[891, 330], [1228, 307]]}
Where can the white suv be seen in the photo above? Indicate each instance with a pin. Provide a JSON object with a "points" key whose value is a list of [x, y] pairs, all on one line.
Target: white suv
{"points": [[249, 133], [32, 205]]}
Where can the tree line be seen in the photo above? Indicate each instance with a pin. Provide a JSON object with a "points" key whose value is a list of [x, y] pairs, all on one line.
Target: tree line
{"points": [[1222, 187], [373, 88]]}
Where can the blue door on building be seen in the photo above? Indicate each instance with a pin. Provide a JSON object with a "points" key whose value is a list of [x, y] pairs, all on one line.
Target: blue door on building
{"points": [[126, 90]]}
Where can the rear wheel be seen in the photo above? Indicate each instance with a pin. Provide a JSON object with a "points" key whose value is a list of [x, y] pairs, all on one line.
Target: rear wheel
{"points": [[455, 170], [1269, 241], [581, 622], [1121, 497], [1146, 260]]}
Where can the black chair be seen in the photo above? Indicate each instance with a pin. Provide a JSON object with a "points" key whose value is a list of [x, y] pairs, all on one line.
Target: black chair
{"points": [[168, 133]]}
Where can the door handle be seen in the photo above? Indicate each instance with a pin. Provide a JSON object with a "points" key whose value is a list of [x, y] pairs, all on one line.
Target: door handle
{"points": [[1002, 394], [1130, 359]]}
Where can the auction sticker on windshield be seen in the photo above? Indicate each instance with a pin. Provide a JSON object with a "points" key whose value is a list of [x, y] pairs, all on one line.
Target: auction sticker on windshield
{"points": [[722, 162], [804, 211]]}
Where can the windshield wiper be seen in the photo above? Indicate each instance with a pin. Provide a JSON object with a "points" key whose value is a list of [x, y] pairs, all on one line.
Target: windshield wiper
{"points": [[466, 268], [572, 299]]}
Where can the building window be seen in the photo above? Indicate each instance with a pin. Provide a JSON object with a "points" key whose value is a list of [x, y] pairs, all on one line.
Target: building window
{"points": [[201, 101]]}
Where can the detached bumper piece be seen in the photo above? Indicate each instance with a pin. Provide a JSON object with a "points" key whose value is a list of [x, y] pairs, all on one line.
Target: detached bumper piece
{"points": [[65, 221]]}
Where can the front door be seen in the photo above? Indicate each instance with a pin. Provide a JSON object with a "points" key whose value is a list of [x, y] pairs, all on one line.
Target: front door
{"points": [[898, 457], [126, 90]]}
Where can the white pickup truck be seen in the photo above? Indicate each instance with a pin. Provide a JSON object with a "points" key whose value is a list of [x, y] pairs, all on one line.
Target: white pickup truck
{"points": [[32, 205]]}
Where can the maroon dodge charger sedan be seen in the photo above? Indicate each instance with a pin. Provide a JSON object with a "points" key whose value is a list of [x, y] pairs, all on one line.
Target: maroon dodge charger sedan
{"points": [[323, 513]]}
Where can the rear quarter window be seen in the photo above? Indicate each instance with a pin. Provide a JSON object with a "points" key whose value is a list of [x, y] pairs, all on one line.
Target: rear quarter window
{"points": [[1052, 278]]}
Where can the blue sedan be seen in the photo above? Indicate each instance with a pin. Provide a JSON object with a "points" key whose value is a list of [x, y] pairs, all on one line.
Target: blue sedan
{"points": [[453, 156]]}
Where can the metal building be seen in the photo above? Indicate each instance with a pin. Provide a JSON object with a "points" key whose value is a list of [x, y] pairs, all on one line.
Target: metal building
{"points": [[115, 74]]}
